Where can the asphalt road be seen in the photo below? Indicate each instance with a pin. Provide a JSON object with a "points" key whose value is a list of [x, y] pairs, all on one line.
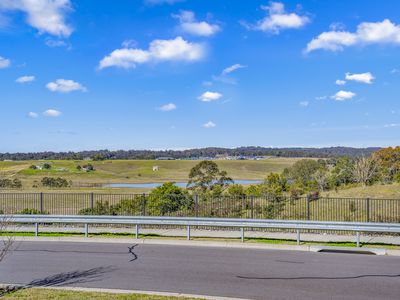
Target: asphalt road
{"points": [[243, 273]]}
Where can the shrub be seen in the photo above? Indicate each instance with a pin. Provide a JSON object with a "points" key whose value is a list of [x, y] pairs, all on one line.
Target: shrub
{"points": [[100, 208], [55, 182], [8, 183], [32, 211]]}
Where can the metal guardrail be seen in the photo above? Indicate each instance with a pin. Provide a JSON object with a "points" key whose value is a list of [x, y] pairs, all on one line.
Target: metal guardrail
{"points": [[357, 227]]}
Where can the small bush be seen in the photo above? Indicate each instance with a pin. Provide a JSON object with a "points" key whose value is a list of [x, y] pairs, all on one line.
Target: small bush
{"points": [[32, 211]]}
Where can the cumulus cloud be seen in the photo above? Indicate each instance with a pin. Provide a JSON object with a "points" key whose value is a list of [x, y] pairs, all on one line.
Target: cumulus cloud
{"points": [[209, 124], [343, 96], [159, 50], [4, 62], [278, 19], [52, 113], [65, 86], [33, 115], [45, 15], [167, 107], [210, 96], [304, 103], [190, 25], [362, 77], [367, 33], [25, 79], [340, 82]]}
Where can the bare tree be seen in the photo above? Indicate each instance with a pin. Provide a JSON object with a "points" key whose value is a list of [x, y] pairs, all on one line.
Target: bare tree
{"points": [[365, 169], [6, 240], [321, 177]]}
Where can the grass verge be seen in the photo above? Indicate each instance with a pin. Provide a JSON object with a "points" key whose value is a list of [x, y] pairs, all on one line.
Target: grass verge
{"points": [[49, 294]]}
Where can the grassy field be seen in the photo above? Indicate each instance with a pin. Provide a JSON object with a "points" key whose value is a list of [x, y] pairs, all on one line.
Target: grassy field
{"points": [[53, 294], [136, 171], [384, 191]]}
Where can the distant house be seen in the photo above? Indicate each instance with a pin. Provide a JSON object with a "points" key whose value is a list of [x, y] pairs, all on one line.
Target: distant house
{"points": [[156, 168], [165, 158]]}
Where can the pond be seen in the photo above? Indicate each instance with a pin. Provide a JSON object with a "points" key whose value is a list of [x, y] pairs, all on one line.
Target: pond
{"points": [[152, 185]]}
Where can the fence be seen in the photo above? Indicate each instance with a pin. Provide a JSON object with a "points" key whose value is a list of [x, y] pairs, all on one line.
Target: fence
{"points": [[251, 207]]}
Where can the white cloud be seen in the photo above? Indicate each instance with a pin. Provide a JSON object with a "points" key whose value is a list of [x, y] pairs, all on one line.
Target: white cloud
{"points": [[65, 86], [367, 33], [210, 96], [304, 103], [159, 50], [32, 115], [209, 124], [391, 125], [321, 97], [56, 43], [343, 95], [340, 82], [4, 62], [278, 19], [188, 24], [362, 77], [167, 107], [393, 71], [158, 2], [44, 15], [51, 113], [232, 68], [25, 79], [129, 44]]}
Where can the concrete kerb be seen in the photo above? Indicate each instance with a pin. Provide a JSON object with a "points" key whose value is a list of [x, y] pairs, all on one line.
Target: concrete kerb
{"points": [[226, 244]]}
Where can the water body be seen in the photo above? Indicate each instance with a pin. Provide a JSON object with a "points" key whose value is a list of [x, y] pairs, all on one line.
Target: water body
{"points": [[152, 185]]}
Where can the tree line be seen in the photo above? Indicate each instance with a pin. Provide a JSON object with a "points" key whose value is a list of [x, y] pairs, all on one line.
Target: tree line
{"points": [[211, 152]]}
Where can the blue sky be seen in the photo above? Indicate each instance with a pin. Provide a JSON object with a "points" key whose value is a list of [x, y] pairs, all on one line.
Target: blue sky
{"points": [[159, 74]]}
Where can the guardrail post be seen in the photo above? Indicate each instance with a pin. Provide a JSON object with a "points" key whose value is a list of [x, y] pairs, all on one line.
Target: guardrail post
{"points": [[242, 234], [367, 209], [86, 230], [358, 238], [41, 202], [196, 205], [188, 232], [36, 229], [137, 231], [92, 203], [298, 237], [308, 206]]}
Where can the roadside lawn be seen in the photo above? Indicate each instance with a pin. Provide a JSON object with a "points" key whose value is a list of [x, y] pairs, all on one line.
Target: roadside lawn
{"points": [[53, 294]]}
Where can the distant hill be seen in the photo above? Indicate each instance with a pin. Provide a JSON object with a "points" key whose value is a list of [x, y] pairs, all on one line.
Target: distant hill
{"points": [[210, 152]]}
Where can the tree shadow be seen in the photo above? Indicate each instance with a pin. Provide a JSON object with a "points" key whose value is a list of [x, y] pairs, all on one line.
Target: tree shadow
{"points": [[61, 279], [321, 277]]}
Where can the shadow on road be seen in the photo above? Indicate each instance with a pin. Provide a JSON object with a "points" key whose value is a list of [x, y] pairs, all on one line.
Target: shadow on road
{"points": [[61, 279], [321, 277]]}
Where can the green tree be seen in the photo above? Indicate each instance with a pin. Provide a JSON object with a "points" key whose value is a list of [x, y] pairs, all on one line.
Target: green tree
{"points": [[168, 198], [342, 172], [206, 176], [236, 191], [303, 171]]}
